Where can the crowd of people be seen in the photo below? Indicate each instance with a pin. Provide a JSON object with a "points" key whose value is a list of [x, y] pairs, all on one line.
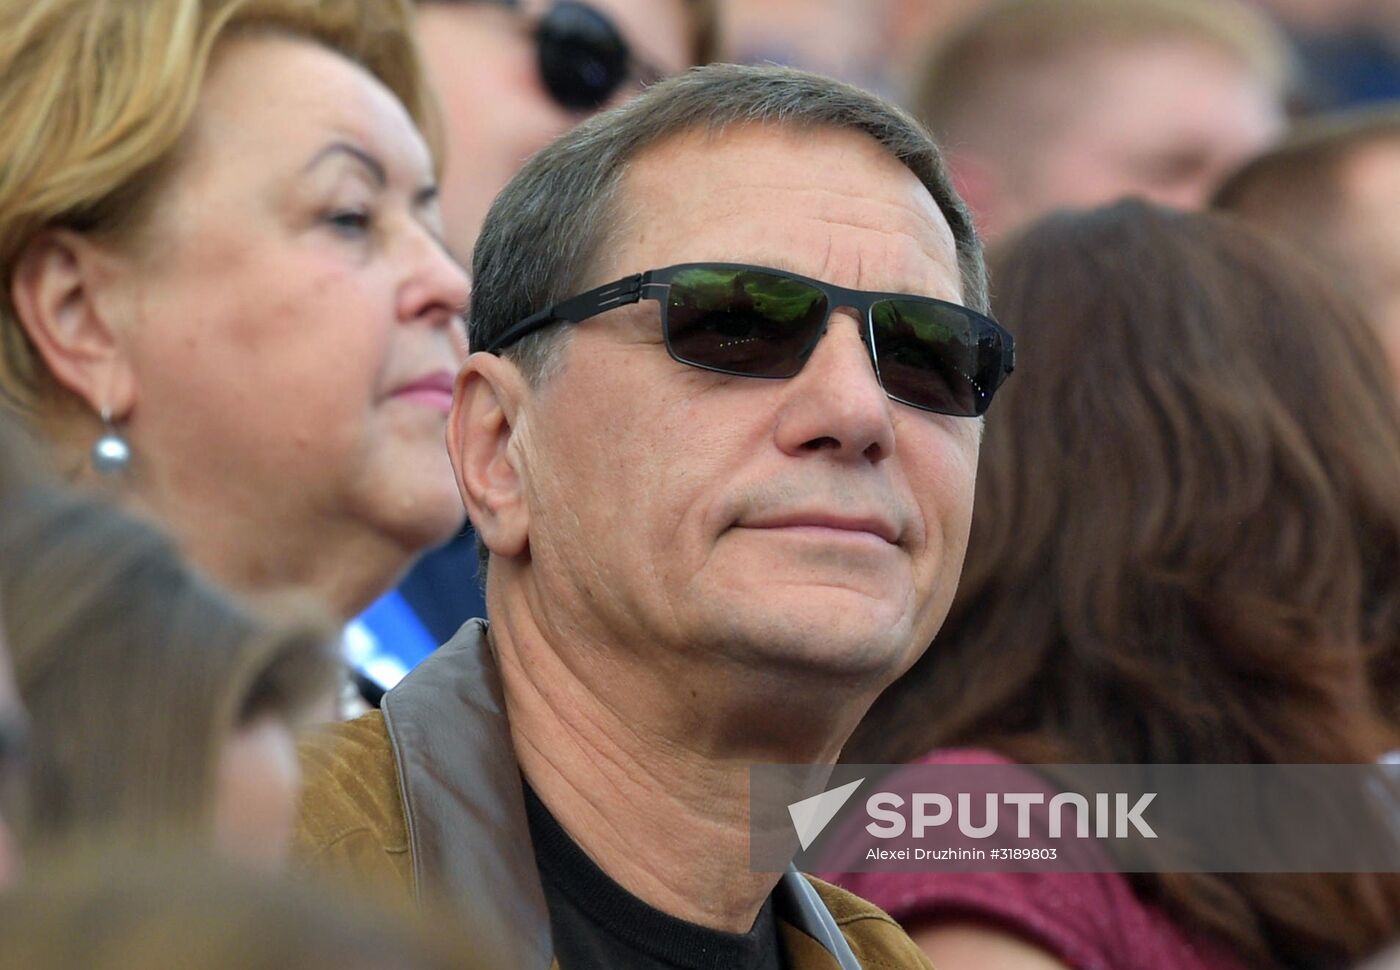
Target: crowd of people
{"points": [[444, 445]]}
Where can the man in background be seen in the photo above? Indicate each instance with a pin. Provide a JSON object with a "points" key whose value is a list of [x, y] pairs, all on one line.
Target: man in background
{"points": [[513, 76], [1332, 190], [1075, 103]]}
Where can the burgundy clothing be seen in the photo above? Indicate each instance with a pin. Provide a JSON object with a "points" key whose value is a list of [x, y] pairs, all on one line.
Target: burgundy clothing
{"points": [[1089, 920]]}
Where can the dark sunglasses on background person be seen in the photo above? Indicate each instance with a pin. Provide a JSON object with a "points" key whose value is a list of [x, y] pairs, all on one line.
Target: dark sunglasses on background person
{"points": [[751, 321], [583, 58]]}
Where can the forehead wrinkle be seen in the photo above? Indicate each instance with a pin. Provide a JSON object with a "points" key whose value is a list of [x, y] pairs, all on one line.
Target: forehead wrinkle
{"points": [[880, 260], [918, 252], [851, 207], [651, 175], [740, 201]]}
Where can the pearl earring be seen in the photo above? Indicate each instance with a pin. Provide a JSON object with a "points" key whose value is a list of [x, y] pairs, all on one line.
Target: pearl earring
{"points": [[110, 453]]}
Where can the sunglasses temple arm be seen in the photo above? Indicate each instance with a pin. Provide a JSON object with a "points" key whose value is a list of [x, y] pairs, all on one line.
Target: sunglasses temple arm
{"points": [[521, 330], [575, 310]]}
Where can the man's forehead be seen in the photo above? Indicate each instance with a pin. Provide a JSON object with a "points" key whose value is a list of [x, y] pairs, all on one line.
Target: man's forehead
{"points": [[775, 188]]}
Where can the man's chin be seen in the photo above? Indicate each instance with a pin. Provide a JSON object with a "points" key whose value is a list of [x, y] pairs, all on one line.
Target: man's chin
{"points": [[819, 643]]}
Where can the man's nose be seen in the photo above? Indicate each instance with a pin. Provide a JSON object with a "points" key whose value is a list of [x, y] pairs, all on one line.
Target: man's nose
{"points": [[835, 403]]}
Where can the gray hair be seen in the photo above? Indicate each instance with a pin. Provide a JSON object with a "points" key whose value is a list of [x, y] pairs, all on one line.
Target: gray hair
{"points": [[547, 226]]}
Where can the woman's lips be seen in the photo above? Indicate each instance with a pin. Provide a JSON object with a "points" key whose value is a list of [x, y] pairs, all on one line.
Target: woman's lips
{"points": [[433, 390]]}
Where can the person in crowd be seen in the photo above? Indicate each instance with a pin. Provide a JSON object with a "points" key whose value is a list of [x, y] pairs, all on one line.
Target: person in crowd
{"points": [[714, 532], [1186, 550], [515, 75], [226, 295], [876, 44], [844, 39], [123, 909], [14, 759], [1332, 190], [1078, 103], [159, 707], [1349, 49], [20, 471], [512, 77]]}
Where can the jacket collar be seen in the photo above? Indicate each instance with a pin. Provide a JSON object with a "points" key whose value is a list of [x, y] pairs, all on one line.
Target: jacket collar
{"points": [[461, 793], [460, 785]]}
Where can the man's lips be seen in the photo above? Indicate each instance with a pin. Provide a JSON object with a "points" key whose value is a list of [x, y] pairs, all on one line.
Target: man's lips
{"points": [[815, 522], [433, 389]]}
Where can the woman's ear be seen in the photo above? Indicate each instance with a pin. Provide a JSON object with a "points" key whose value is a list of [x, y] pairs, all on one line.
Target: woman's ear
{"points": [[55, 291], [487, 416]]}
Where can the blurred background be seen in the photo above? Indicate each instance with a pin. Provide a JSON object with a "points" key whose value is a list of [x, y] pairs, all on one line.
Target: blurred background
{"points": [[1348, 50]]}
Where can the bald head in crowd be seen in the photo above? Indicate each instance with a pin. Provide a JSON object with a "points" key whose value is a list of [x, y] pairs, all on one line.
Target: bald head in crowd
{"points": [[1332, 190], [1048, 104]]}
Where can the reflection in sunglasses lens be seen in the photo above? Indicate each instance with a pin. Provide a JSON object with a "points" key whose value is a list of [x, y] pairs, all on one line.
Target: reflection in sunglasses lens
{"points": [[743, 322], [929, 357]]}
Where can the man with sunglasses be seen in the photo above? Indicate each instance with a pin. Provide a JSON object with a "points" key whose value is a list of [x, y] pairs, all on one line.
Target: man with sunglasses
{"points": [[718, 441]]}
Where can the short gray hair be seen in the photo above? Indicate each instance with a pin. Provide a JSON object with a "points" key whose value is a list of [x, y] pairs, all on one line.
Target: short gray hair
{"points": [[547, 226]]}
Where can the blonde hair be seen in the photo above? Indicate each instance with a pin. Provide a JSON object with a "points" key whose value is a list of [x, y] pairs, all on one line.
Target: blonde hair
{"points": [[978, 78], [96, 97]]}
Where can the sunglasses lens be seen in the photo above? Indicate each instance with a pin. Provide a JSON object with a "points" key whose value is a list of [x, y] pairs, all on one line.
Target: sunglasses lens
{"points": [[583, 58], [742, 321], [936, 356]]}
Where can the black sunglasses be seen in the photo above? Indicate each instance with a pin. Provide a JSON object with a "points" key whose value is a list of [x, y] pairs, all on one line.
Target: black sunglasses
{"points": [[751, 321], [583, 58]]}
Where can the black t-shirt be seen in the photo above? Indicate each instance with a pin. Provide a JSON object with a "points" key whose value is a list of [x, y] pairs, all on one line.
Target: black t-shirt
{"points": [[598, 925]]}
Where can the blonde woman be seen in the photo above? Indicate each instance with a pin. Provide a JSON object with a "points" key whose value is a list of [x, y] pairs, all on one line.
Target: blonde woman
{"points": [[224, 288], [159, 709]]}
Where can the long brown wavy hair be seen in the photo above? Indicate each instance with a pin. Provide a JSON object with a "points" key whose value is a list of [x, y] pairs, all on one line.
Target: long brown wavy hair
{"points": [[1186, 544]]}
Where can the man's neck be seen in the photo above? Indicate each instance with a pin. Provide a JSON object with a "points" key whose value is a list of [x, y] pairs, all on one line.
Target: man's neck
{"points": [[665, 819]]}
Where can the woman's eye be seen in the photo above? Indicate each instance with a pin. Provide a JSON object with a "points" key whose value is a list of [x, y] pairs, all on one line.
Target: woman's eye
{"points": [[350, 222]]}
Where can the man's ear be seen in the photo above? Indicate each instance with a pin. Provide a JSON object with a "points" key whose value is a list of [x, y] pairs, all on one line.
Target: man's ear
{"points": [[55, 292], [486, 417]]}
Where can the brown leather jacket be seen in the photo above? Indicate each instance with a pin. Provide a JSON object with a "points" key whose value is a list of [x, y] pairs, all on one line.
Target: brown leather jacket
{"points": [[423, 800]]}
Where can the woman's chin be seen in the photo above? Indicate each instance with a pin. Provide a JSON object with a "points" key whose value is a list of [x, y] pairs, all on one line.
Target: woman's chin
{"points": [[428, 518]]}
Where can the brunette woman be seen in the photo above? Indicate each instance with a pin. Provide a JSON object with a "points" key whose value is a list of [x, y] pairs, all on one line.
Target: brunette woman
{"points": [[1186, 548]]}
